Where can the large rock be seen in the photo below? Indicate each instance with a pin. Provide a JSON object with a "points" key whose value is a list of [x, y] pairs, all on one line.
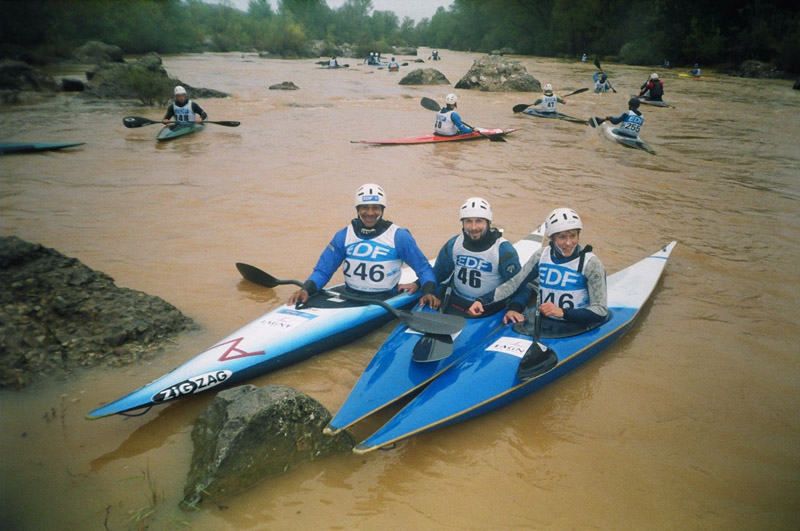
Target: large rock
{"points": [[758, 69], [249, 433], [112, 80], [16, 75], [424, 76], [493, 73], [98, 53], [57, 315]]}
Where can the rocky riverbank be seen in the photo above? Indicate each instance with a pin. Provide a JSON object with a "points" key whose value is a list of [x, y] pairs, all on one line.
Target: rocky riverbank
{"points": [[59, 316]]}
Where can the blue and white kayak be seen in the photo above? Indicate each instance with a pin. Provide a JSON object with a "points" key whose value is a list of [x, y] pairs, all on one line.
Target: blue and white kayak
{"points": [[393, 374], [34, 147], [486, 378], [533, 111], [612, 133], [171, 132], [279, 338]]}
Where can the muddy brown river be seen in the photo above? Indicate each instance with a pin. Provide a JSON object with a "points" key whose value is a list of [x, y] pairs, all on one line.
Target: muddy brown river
{"points": [[691, 421]]}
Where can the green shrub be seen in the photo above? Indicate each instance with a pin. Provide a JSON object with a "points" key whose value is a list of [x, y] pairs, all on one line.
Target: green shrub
{"points": [[150, 87]]}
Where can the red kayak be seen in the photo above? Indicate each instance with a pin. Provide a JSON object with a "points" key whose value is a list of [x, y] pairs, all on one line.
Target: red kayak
{"points": [[491, 134]]}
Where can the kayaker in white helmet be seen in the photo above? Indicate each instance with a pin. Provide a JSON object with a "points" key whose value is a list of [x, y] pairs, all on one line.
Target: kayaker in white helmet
{"points": [[653, 89], [448, 121], [571, 280], [479, 258], [549, 101], [183, 109], [371, 251]]}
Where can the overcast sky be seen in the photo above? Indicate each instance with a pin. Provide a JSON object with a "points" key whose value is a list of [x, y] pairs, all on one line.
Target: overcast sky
{"points": [[416, 9]]}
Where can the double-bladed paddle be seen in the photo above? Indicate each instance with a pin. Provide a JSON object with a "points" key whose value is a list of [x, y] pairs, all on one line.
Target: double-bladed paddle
{"points": [[597, 64], [429, 323], [138, 121], [432, 105], [522, 106]]}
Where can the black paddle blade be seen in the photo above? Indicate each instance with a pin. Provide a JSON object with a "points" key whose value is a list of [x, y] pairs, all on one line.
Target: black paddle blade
{"points": [[492, 138], [430, 104], [137, 121], [538, 360], [595, 121], [597, 63], [433, 347], [432, 323], [521, 107], [262, 278], [228, 123]]}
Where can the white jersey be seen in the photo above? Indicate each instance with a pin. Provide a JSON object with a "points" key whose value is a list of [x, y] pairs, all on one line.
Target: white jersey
{"points": [[476, 273], [333, 62], [371, 265], [549, 103], [601, 88], [185, 114], [632, 124], [563, 284], [444, 124]]}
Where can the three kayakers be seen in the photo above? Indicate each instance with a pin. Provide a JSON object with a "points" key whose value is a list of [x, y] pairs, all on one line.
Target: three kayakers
{"points": [[549, 101], [571, 280], [653, 89], [372, 251], [479, 259], [183, 109], [448, 121], [601, 84], [631, 120]]}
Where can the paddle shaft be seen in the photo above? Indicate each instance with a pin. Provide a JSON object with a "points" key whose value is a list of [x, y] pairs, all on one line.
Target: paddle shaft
{"points": [[138, 121]]}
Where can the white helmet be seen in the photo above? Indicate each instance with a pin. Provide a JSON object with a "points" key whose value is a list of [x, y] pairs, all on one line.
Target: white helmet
{"points": [[370, 194], [562, 219], [476, 207], [180, 90], [653, 76], [548, 88], [451, 99]]}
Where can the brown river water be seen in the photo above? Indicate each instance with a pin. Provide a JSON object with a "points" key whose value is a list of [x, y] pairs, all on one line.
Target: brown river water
{"points": [[691, 421]]}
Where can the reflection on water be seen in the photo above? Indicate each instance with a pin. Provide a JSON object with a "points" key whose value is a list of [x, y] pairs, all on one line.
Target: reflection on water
{"points": [[693, 408]]}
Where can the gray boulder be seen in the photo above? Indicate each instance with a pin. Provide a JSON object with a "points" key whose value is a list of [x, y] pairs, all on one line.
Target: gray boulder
{"points": [[424, 76], [493, 73], [16, 75], [69, 84], [404, 50], [98, 53], [249, 433]]}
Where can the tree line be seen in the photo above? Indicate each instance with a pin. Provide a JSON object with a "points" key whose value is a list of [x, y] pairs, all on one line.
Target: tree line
{"points": [[630, 31]]}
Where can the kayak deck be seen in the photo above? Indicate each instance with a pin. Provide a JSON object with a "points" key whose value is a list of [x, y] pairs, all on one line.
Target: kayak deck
{"points": [[171, 132], [627, 141], [431, 138]]}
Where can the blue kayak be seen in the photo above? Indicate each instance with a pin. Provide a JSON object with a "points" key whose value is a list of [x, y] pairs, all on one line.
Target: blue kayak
{"points": [[637, 143], [486, 378], [393, 373], [34, 147]]}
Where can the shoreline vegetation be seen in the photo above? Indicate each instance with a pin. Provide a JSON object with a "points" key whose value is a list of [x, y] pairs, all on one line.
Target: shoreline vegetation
{"points": [[629, 32]]}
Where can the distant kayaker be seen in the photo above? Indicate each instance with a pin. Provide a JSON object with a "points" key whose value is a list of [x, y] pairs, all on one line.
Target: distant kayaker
{"points": [[393, 65], [601, 84], [549, 101], [696, 72], [583, 58], [631, 120], [448, 121], [183, 109], [479, 259], [333, 63], [372, 251], [571, 280], [653, 89]]}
